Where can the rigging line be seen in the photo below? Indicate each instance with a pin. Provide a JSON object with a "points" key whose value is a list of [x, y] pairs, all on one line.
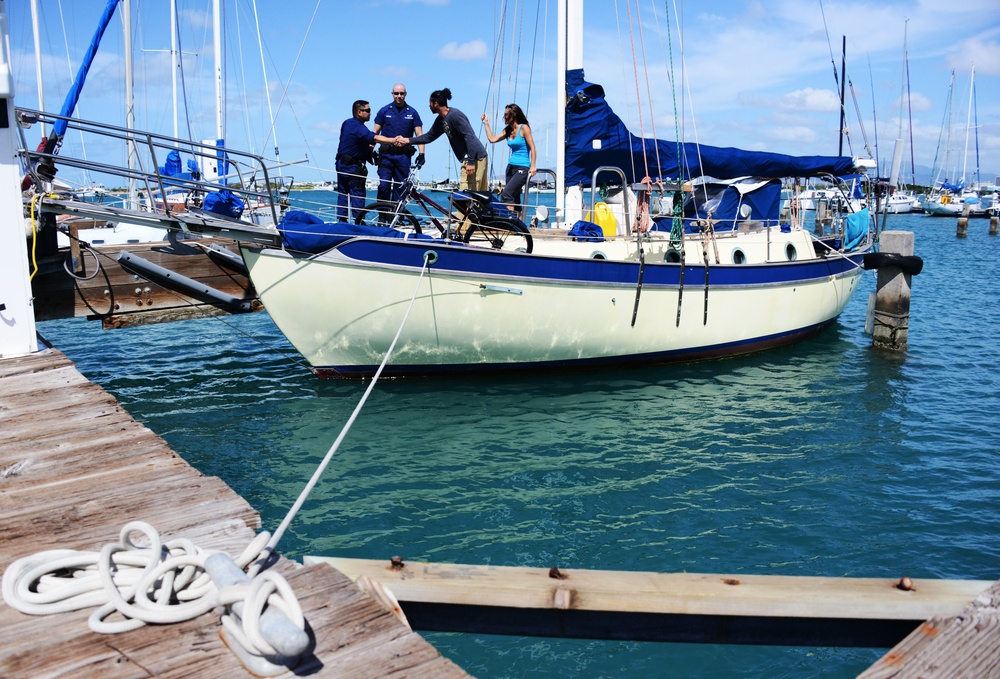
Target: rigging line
{"points": [[871, 81], [180, 63], [677, 200], [534, 47], [79, 111], [861, 124], [247, 127], [975, 113], [263, 70], [519, 25], [491, 103], [909, 108], [690, 99], [649, 92], [273, 542], [829, 46], [621, 60], [291, 73], [635, 70]]}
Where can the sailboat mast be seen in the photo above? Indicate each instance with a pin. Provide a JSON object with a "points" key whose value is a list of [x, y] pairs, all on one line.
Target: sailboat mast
{"points": [[843, 83], [38, 60], [133, 190], [173, 62], [968, 123], [569, 55], [217, 47]]}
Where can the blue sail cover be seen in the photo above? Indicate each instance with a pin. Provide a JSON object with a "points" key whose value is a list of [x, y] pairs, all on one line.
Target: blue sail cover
{"points": [[590, 118], [73, 96]]}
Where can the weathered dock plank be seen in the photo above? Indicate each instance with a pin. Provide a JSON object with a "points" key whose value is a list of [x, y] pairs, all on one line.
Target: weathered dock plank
{"points": [[716, 608], [948, 647], [75, 467]]}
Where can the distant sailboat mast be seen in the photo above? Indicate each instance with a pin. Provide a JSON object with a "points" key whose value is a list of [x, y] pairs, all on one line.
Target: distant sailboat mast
{"points": [[968, 123]]}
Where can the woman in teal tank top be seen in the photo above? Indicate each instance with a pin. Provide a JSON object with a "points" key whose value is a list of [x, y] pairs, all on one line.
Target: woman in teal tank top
{"points": [[521, 165]]}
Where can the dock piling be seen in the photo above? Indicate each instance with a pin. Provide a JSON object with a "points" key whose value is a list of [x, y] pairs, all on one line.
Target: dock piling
{"points": [[892, 295], [994, 225]]}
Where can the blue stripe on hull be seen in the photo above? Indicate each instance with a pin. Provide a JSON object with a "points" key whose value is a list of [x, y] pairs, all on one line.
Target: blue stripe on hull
{"points": [[657, 358], [463, 260]]}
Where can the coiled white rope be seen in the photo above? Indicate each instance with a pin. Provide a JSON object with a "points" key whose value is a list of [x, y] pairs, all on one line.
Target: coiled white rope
{"points": [[160, 583], [176, 581]]}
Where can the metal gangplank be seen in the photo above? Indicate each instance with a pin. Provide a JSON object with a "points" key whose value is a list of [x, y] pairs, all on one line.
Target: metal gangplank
{"points": [[244, 174]]}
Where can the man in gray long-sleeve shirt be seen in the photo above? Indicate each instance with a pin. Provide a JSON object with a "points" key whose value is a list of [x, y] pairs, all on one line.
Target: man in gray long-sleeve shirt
{"points": [[464, 142]]}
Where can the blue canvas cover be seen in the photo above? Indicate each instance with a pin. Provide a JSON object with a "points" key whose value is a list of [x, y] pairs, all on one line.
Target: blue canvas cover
{"points": [[305, 232], [587, 232], [590, 118], [855, 228], [225, 203]]}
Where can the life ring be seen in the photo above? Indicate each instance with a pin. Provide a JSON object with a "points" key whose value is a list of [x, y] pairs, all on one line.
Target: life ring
{"points": [[945, 200]]}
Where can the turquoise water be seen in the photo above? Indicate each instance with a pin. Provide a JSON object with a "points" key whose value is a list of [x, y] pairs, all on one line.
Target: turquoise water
{"points": [[826, 458]]}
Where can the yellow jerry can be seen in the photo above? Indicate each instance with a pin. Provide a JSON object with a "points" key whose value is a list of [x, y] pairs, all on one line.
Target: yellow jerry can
{"points": [[604, 218]]}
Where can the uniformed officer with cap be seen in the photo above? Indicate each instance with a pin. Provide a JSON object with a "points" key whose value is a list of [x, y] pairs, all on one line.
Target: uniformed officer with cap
{"points": [[396, 119]]}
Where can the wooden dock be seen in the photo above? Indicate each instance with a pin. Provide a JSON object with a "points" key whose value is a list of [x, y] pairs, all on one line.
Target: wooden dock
{"points": [[75, 467], [677, 607]]}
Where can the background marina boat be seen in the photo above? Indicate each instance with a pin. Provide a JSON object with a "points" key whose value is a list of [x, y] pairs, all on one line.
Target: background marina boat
{"points": [[957, 197]]}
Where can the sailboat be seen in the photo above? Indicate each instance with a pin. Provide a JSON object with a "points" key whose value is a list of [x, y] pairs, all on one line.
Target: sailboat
{"points": [[954, 198], [721, 276]]}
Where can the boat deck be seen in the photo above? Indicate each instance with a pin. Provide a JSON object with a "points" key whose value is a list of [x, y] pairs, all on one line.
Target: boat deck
{"points": [[75, 467]]}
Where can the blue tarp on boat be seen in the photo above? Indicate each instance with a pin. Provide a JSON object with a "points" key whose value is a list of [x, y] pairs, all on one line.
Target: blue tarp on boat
{"points": [[306, 232], [589, 118]]}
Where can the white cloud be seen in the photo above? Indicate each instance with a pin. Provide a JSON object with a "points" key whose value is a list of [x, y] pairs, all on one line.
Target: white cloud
{"points": [[467, 51], [809, 99], [985, 55]]}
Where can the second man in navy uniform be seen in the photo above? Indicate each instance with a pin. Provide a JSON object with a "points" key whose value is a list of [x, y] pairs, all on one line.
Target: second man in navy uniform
{"points": [[397, 119], [354, 151]]}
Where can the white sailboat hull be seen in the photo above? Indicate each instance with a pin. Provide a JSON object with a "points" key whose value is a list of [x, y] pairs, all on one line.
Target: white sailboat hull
{"points": [[342, 313]]}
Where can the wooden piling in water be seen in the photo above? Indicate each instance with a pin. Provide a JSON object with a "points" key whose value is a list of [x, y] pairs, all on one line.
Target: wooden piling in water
{"points": [[994, 225], [821, 218], [963, 225], [892, 295]]}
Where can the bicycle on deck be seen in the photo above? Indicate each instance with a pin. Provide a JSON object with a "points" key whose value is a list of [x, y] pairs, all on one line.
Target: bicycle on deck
{"points": [[472, 217]]}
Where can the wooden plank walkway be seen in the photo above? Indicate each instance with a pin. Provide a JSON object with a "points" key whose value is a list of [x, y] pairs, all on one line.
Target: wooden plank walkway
{"points": [[75, 467], [948, 647]]}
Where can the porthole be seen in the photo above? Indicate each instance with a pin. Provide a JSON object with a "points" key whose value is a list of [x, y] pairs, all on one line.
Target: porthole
{"points": [[597, 254], [672, 256], [739, 257], [790, 252]]}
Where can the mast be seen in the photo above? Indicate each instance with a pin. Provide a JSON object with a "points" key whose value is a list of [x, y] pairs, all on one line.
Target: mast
{"points": [[217, 46], [133, 189], [968, 122], [174, 57], [909, 107], [38, 60], [843, 82], [947, 147], [569, 55], [17, 329]]}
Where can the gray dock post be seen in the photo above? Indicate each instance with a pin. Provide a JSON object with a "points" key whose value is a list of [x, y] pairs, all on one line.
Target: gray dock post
{"points": [[818, 229], [963, 222], [892, 295]]}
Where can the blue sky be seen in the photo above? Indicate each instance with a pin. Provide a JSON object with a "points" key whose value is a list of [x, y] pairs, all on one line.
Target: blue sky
{"points": [[757, 75]]}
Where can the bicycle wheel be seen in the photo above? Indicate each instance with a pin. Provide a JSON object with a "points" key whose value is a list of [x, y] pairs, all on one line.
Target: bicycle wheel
{"points": [[499, 235], [382, 214]]}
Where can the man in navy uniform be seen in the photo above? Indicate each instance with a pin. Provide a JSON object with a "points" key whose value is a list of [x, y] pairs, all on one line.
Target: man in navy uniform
{"points": [[355, 149], [397, 119]]}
